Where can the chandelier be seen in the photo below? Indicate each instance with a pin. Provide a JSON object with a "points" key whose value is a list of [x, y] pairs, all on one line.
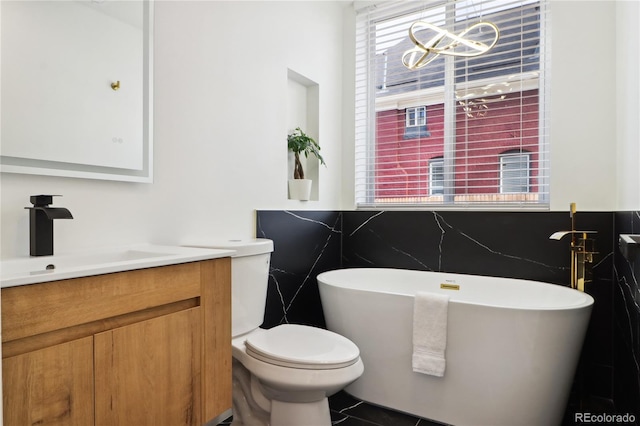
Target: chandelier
{"points": [[446, 43]]}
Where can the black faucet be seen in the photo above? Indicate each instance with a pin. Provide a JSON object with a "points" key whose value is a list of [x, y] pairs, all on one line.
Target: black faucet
{"points": [[41, 224]]}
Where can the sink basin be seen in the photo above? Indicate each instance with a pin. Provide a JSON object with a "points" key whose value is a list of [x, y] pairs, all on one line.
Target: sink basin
{"points": [[33, 270], [47, 264]]}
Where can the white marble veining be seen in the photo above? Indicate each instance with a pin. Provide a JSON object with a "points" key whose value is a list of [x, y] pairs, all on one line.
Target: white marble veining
{"points": [[627, 287], [441, 223], [334, 230], [40, 269]]}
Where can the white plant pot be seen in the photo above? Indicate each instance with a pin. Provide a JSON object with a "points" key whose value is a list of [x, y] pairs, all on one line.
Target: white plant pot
{"points": [[300, 189]]}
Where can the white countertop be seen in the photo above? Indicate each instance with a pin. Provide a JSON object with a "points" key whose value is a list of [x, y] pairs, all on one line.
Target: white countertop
{"points": [[33, 270]]}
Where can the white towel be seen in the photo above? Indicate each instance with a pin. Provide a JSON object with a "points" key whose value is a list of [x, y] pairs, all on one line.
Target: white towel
{"points": [[429, 333]]}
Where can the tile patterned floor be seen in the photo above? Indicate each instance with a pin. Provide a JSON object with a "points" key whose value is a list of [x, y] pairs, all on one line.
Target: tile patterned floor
{"points": [[349, 411]]}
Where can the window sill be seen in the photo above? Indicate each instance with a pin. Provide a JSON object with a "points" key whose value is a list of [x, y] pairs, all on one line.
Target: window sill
{"points": [[416, 132]]}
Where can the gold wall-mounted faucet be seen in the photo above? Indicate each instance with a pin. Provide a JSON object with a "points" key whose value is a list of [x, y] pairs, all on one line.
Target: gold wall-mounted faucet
{"points": [[582, 250]]}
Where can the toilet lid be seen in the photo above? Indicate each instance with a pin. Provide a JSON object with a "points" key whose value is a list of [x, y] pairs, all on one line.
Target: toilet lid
{"points": [[301, 346]]}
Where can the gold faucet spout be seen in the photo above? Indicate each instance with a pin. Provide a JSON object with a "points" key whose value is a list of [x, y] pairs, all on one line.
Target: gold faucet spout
{"points": [[582, 250]]}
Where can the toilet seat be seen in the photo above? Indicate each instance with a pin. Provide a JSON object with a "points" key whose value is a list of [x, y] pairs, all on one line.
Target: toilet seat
{"points": [[300, 346]]}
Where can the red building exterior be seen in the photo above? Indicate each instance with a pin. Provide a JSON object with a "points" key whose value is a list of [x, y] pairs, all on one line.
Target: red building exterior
{"points": [[510, 121]]}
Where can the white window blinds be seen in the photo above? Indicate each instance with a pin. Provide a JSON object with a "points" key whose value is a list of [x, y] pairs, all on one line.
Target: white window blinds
{"points": [[472, 117]]}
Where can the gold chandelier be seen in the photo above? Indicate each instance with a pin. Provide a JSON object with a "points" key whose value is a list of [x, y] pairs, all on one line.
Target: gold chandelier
{"points": [[447, 43]]}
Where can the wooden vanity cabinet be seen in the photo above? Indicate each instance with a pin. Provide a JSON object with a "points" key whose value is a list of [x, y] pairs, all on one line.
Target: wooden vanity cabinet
{"points": [[143, 347], [53, 385]]}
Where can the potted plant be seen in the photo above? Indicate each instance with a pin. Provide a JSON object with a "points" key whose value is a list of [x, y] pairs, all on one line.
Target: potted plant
{"points": [[299, 142]]}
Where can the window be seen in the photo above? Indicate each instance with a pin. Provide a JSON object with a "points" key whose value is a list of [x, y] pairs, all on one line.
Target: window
{"points": [[514, 173], [416, 123], [487, 138], [436, 176], [416, 116]]}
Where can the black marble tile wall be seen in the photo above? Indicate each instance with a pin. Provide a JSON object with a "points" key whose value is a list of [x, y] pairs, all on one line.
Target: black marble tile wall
{"points": [[306, 243], [626, 324], [506, 244], [512, 245]]}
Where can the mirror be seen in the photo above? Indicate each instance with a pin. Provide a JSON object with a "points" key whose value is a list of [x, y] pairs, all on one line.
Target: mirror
{"points": [[76, 88]]}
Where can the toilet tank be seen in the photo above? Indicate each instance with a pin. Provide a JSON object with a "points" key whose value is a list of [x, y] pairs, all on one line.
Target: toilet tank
{"points": [[249, 280]]}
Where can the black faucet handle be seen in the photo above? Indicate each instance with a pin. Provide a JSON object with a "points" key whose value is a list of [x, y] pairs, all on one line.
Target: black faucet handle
{"points": [[42, 200]]}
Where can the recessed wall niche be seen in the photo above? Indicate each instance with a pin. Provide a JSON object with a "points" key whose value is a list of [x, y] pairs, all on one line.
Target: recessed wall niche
{"points": [[303, 111]]}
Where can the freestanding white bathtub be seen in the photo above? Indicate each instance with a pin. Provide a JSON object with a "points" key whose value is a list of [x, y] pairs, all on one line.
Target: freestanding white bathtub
{"points": [[512, 345]]}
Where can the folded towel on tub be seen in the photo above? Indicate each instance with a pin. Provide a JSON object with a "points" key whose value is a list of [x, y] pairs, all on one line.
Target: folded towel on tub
{"points": [[429, 333]]}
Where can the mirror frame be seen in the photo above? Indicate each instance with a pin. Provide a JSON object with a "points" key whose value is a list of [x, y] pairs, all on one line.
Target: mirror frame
{"points": [[56, 168]]}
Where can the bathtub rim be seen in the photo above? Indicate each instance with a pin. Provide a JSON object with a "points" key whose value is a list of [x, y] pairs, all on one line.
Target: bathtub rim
{"points": [[587, 302]]}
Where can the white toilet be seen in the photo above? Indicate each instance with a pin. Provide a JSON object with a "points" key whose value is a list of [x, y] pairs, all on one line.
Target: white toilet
{"points": [[282, 375]]}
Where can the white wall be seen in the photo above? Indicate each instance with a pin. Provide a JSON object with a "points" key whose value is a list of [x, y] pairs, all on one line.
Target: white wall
{"points": [[583, 105], [595, 101], [628, 108], [220, 123], [220, 130], [348, 193]]}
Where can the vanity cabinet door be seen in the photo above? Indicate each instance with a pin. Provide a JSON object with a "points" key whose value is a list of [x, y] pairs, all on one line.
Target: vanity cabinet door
{"points": [[148, 373], [52, 386]]}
